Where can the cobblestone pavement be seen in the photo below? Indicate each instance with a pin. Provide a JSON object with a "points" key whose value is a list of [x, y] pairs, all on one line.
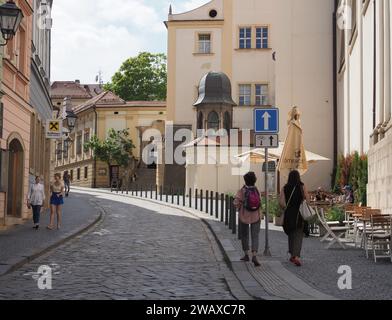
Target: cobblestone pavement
{"points": [[134, 253]]}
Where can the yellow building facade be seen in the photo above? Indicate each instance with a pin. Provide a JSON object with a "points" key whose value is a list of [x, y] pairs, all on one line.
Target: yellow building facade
{"points": [[96, 117]]}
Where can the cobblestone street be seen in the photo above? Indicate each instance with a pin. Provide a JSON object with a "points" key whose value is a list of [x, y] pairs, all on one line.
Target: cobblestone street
{"points": [[133, 253]]}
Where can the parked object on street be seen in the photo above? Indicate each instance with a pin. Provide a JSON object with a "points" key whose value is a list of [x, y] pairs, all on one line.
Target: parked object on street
{"points": [[291, 197], [56, 201], [248, 201], [35, 200]]}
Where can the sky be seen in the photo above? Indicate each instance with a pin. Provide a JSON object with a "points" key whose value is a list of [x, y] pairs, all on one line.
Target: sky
{"points": [[89, 36]]}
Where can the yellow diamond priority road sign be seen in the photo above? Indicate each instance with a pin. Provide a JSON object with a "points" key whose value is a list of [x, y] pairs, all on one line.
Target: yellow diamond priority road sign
{"points": [[54, 129]]}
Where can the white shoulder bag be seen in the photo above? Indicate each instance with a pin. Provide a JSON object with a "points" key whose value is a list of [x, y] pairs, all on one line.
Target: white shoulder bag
{"points": [[307, 212]]}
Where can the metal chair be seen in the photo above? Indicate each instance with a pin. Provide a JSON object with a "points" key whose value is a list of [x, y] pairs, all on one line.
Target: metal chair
{"points": [[331, 231]]}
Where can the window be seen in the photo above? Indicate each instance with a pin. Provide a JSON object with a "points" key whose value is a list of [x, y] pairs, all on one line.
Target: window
{"points": [[261, 97], [85, 172], [59, 151], [200, 121], [245, 94], [66, 149], [1, 119], [22, 50], [204, 43], [79, 144], [78, 174], [262, 38], [86, 136], [245, 38], [213, 120], [227, 122]]}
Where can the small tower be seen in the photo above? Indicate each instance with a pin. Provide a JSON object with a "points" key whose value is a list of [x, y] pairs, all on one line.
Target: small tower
{"points": [[215, 104]]}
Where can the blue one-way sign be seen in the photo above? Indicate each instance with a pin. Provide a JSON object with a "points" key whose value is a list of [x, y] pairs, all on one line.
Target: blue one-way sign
{"points": [[266, 120]]}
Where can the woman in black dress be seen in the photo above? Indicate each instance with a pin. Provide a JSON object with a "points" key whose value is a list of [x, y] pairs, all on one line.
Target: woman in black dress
{"points": [[291, 197]]}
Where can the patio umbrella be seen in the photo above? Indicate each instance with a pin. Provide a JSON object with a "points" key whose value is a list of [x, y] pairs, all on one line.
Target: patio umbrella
{"points": [[258, 156], [293, 156]]}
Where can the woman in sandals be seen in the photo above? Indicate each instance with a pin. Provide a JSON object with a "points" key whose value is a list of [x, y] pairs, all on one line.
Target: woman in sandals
{"points": [[291, 197], [248, 202], [56, 201]]}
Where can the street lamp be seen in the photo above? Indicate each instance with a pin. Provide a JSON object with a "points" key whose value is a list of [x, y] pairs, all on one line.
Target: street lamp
{"points": [[71, 120], [10, 19]]}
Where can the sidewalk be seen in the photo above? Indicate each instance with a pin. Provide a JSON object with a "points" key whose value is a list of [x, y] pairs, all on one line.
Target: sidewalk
{"points": [[21, 243]]}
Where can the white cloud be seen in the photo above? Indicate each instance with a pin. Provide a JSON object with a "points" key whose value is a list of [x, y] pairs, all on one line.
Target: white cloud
{"points": [[93, 35]]}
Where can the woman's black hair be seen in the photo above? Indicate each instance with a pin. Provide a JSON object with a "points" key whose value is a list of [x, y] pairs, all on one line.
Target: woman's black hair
{"points": [[294, 179], [250, 179]]}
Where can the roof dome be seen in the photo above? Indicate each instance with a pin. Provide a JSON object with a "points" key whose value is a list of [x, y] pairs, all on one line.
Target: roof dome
{"points": [[215, 88]]}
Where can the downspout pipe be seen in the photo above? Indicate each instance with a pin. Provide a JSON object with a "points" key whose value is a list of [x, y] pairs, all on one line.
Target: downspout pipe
{"points": [[335, 94], [95, 159]]}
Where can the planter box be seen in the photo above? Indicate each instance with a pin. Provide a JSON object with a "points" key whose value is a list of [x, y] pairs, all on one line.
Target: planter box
{"points": [[278, 221]]}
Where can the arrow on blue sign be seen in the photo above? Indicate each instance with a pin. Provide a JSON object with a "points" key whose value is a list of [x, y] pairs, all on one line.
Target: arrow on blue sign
{"points": [[266, 120]]}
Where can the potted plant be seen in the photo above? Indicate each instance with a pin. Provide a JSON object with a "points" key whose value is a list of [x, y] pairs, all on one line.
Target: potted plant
{"points": [[274, 211]]}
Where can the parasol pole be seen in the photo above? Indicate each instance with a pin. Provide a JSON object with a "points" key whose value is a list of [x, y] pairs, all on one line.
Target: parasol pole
{"points": [[267, 252]]}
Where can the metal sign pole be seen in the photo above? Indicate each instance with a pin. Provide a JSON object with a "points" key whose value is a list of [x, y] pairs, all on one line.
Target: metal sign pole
{"points": [[267, 252]]}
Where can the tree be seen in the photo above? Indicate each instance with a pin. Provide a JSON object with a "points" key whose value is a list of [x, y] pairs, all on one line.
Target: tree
{"points": [[141, 78], [116, 149]]}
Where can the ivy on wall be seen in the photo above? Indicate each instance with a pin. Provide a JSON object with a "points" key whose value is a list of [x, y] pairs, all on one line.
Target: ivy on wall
{"points": [[353, 170]]}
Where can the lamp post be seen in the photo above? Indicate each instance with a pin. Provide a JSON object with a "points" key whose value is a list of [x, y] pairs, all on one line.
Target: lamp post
{"points": [[10, 19]]}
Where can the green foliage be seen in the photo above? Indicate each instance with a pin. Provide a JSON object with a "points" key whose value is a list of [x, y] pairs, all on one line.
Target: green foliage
{"points": [[335, 214], [353, 170], [116, 149], [273, 206], [142, 78]]}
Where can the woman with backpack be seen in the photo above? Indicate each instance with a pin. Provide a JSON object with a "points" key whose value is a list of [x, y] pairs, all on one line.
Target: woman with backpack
{"points": [[291, 198], [248, 202]]}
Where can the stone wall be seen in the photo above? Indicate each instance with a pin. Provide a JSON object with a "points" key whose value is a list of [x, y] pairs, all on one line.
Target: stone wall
{"points": [[380, 175]]}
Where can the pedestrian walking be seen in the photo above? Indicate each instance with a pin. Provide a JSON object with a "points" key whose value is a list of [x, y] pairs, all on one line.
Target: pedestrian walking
{"points": [[56, 201], [35, 200], [67, 182], [248, 202], [291, 197]]}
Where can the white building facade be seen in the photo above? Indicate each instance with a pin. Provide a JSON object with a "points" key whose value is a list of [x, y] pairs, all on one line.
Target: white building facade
{"points": [[275, 53], [364, 91]]}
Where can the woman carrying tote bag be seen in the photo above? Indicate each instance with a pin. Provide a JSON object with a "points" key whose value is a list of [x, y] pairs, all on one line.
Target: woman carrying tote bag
{"points": [[291, 198]]}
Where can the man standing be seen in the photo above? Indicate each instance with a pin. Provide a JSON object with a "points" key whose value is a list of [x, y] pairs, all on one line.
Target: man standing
{"points": [[67, 182]]}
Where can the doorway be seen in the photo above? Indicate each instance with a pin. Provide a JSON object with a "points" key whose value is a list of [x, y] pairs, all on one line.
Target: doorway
{"points": [[15, 179], [114, 175]]}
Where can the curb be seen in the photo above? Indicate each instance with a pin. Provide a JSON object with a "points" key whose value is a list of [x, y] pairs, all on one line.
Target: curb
{"points": [[59, 243]]}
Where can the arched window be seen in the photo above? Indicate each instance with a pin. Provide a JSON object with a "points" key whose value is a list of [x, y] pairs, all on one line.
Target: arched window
{"points": [[227, 122], [213, 121], [200, 120]]}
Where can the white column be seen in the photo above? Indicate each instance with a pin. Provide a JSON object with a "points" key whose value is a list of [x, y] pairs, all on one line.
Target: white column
{"points": [[387, 62]]}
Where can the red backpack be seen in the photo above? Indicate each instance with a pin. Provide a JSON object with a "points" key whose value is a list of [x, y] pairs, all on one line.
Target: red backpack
{"points": [[252, 200]]}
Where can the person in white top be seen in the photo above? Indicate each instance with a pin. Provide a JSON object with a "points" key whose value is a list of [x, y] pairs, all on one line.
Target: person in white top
{"points": [[35, 200]]}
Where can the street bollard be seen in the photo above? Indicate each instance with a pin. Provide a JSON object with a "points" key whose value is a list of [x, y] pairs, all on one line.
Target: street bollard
{"points": [[151, 191], [156, 192], [172, 194], [234, 218], [196, 199], [239, 227], [207, 202], [178, 197], [222, 209], [160, 192], [183, 197], [146, 193], [167, 195], [230, 222], [190, 197], [201, 200], [226, 210], [211, 203], [217, 205]]}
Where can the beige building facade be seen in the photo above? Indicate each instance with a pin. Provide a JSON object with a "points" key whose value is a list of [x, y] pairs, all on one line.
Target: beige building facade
{"points": [[96, 117], [275, 53], [364, 91]]}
